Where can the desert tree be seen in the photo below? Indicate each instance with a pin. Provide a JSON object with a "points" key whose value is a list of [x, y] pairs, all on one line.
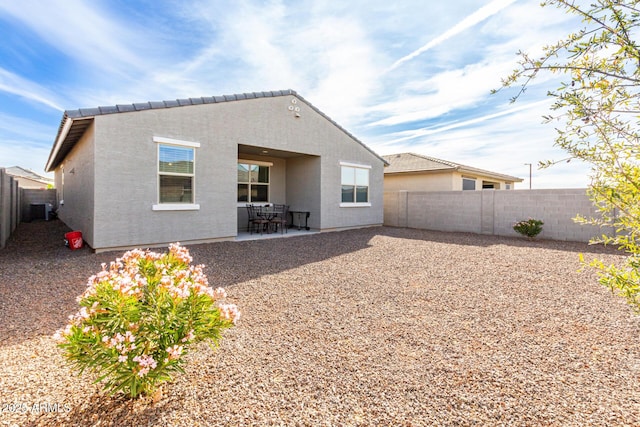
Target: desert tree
{"points": [[597, 110]]}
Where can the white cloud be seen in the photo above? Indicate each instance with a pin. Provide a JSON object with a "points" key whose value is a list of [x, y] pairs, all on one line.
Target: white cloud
{"points": [[16, 85], [476, 17], [436, 100], [81, 30], [498, 142], [441, 94]]}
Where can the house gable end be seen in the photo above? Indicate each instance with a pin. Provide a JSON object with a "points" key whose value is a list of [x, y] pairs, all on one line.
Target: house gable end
{"points": [[75, 122]]}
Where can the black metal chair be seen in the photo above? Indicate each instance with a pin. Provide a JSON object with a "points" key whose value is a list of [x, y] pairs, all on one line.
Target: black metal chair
{"points": [[255, 220], [281, 218]]}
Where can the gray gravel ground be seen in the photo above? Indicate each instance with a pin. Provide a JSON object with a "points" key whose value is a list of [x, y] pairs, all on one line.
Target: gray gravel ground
{"points": [[377, 326]]}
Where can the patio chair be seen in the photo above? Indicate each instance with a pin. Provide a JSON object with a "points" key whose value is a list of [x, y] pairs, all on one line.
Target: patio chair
{"points": [[255, 220], [281, 218]]}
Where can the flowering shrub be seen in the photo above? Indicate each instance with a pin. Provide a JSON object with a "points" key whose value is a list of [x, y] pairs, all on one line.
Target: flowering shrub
{"points": [[529, 228], [138, 318]]}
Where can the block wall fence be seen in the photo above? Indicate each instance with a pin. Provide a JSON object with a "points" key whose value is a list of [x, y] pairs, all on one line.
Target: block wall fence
{"points": [[9, 206], [494, 212], [15, 204]]}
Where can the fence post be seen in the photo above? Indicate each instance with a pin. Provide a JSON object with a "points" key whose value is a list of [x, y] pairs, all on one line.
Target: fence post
{"points": [[2, 208], [488, 212], [403, 208]]}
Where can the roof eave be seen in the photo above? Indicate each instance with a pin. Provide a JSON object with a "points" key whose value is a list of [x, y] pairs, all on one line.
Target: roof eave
{"points": [[488, 174], [65, 125], [89, 114]]}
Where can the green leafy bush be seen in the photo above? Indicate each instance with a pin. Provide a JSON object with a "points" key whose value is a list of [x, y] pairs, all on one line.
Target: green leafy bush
{"points": [[138, 318], [529, 228]]}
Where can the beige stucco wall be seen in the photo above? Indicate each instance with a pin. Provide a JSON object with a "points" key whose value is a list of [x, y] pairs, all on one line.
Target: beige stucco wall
{"points": [[126, 170], [500, 184], [433, 181], [75, 192], [436, 181]]}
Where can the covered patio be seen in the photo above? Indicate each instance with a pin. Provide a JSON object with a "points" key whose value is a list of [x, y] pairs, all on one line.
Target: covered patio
{"points": [[267, 176]]}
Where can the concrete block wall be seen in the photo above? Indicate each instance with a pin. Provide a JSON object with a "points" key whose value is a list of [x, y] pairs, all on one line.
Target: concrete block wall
{"points": [[438, 211], [9, 206], [33, 196], [494, 212]]}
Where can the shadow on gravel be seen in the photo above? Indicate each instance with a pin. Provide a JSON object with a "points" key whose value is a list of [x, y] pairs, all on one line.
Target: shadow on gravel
{"points": [[40, 277]]}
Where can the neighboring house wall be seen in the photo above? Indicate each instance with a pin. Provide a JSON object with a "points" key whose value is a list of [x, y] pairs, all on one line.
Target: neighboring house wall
{"points": [[498, 184], [494, 212], [117, 200], [437, 181], [427, 181], [416, 172], [30, 183]]}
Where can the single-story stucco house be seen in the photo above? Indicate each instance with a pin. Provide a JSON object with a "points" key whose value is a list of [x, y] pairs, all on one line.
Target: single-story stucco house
{"points": [[148, 174], [28, 179], [415, 172]]}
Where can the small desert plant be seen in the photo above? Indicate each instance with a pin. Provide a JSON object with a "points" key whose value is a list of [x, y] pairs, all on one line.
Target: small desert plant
{"points": [[529, 228], [138, 318]]}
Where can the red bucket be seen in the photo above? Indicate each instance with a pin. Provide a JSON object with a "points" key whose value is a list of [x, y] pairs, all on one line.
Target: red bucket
{"points": [[74, 238]]}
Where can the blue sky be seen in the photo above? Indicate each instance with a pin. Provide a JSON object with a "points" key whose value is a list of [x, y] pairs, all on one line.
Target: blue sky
{"points": [[407, 76]]}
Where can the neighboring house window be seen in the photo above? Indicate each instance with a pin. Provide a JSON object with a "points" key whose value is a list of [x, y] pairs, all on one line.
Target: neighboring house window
{"points": [[507, 186], [253, 181], [176, 174], [468, 183], [354, 184]]}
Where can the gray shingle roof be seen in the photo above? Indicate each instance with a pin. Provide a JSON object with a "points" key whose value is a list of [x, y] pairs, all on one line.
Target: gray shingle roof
{"points": [[410, 162], [150, 105], [81, 118]]}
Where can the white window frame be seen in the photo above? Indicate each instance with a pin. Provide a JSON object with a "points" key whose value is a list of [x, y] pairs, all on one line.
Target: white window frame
{"points": [[355, 204], [175, 206], [268, 184]]}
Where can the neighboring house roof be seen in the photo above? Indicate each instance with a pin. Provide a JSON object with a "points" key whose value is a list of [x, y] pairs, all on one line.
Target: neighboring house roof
{"points": [[75, 122], [20, 172], [415, 163]]}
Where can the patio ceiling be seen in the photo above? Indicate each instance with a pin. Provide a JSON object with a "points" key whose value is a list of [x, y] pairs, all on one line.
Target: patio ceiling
{"points": [[267, 152]]}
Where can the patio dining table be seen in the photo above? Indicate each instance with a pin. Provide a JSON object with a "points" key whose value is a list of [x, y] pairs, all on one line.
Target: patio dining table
{"points": [[267, 212]]}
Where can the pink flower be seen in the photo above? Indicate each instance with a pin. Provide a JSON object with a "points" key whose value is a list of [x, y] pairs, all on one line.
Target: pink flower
{"points": [[59, 336], [190, 335], [180, 253], [174, 352], [229, 312], [219, 293], [146, 363]]}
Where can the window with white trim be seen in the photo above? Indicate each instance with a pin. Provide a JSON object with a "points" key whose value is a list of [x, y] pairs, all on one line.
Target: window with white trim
{"points": [[176, 174], [354, 184], [253, 181]]}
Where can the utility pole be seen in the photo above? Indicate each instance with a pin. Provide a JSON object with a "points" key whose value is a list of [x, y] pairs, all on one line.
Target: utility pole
{"points": [[529, 174]]}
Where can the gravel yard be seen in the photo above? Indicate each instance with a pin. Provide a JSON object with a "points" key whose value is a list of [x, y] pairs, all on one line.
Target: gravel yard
{"points": [[378, 326]]}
